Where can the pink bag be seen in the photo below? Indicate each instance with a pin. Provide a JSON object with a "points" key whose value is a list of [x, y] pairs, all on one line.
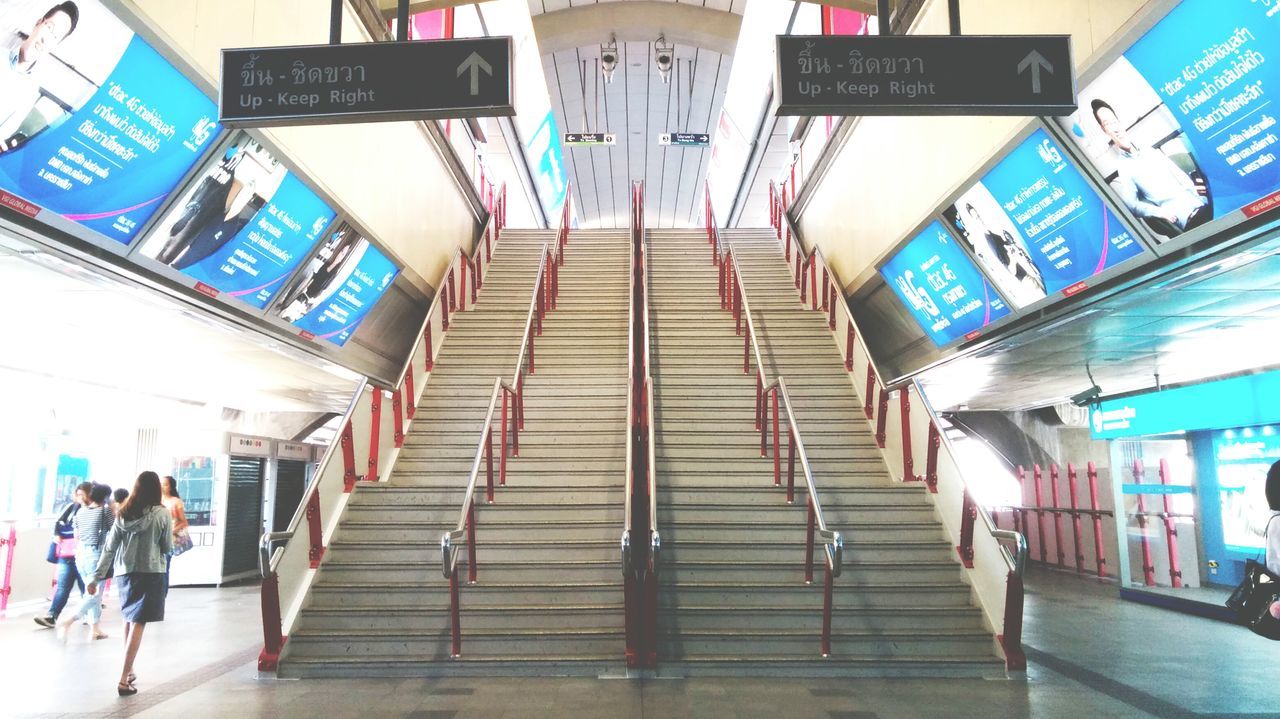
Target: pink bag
{"points": [[66, 547]]}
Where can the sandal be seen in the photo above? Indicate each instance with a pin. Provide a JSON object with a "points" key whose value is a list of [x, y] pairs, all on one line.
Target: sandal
{"points": [[126, 690]]}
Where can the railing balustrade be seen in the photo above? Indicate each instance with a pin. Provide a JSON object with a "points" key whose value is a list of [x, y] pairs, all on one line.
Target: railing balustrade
{"points": [[288, 559]]}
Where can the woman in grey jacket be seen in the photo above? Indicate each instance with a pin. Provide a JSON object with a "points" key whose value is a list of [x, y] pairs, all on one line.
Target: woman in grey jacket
{"points": [[138, 543]]}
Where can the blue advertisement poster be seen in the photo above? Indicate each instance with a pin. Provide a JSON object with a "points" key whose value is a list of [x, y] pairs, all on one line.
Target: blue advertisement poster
{"points": [[95, 125], [243, 227], [942, 288], [544, 150], [1182, 125], [1243, 457], [338, 288], [1036, 225]]}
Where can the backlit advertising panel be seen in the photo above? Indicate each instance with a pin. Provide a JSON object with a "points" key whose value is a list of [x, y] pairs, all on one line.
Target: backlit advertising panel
{"points": [[243, 227], [941, 287], [1182, 125], [339, 286], [1243, 457], [1037, 227], [95, 126]]}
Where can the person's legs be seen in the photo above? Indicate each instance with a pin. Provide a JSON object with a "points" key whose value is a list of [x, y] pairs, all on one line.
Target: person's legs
{"points": [[132, 642], [66, 578], [168, 560]]}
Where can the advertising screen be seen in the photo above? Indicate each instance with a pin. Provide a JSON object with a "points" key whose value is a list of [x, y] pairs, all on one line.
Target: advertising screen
{"points": [[1182, 124], [1037, 227], [243, 227], [338, 287], [1243, 457], [942, 288], [95, 125]]}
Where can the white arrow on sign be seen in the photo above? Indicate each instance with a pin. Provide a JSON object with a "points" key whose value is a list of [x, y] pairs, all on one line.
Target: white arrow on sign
{"points": [[1033, 60], [476, 64]]}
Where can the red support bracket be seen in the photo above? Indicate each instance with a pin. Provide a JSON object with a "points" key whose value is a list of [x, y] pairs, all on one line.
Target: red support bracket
{"points": [[931, 459], [462, 290], [273, 638], [869, 407], [429, 362], [375, 433], [1011, 640], [1057, 516], [1148, 566], [968, 515], [848, 350], [7, 587], [347, 443], [1098, 547], [808, 544], [1073, 495], [1170, 529], [826, 610], [397, 415], [882, 418], [908, 462], [411, 401], [316, 553]]}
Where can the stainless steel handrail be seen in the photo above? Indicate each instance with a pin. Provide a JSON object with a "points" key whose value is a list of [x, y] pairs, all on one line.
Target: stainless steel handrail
{"points": [[449, 557], [628, 484], [1018, 558], [746, 311], [832, 541]]}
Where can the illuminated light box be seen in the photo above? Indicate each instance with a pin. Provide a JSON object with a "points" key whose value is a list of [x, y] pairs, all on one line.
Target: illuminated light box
{"points": [[1182, 125], [941, 287], [95, 126], [337, 289], [243, 227], [1037, 227]]}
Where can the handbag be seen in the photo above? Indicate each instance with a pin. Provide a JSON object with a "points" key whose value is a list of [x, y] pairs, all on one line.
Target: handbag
{"points": [[52, 556], [1252, 592], [182, 542], [66, 547]]}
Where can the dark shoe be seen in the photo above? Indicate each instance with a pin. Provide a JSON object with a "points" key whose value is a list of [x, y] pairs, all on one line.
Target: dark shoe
{"points": [[46, 622], [126, 690]]}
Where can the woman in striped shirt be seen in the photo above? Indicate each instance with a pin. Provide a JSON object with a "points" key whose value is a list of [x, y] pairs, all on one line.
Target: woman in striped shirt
{"points": [[92, 523]]}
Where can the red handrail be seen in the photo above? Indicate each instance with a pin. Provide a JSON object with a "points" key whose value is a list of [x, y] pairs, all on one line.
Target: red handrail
{"points": [[10, 543]]}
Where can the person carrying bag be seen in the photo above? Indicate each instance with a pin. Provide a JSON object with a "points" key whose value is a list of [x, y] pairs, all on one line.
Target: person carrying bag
{"points": [[1256, 601]]}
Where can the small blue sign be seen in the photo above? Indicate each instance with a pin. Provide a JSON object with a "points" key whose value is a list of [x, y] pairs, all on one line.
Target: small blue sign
{"points": [[1157, 489], [938, 283]]}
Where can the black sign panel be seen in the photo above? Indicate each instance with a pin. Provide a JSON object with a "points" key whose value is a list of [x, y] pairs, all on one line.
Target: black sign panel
{"points": [[590, 138], [925, 75], [366, 82], [684, 139]]}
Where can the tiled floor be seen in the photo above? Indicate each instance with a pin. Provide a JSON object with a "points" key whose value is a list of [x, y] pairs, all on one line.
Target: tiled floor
{"points": [[1091, 656]]}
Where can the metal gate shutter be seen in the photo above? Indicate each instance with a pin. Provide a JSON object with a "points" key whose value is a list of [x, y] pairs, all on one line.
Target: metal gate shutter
{"points": [[291, 481], [244, 516]]}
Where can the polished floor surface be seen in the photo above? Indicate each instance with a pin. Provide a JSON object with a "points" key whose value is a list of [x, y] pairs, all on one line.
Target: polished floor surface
{"points": [[1091, 655]]}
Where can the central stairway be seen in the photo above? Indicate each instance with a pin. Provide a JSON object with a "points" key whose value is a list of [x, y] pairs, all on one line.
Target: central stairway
{"points": [[732, 597], [549, 597]]}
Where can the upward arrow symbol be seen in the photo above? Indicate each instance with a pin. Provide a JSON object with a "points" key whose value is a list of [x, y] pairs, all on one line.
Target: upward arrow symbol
{"points": [[476, 64], [1036, 62]]}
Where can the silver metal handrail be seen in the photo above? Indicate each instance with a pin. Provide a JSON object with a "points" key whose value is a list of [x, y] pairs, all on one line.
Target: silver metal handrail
{"points": [[746, 311], [1018, 557], [449, 557], [832, 541], [625, 546]]}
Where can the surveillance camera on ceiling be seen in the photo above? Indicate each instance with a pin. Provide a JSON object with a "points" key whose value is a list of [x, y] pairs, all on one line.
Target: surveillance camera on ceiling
{"points": [[665, 57], [609, 59], [1087, 397]]}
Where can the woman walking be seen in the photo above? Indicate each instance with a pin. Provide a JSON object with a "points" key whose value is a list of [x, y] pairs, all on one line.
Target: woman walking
{"points": [[91, 524], [137, 544], [172, 501]]}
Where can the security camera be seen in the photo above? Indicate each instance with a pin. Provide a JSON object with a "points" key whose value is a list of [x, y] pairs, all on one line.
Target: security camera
{"points": [[1087, 397], [609, 59], [665, 57]]}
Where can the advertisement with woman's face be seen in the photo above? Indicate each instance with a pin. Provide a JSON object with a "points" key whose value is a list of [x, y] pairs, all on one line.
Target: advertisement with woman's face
{"points": [[243, 227], [95, 126], [1181, 125]]}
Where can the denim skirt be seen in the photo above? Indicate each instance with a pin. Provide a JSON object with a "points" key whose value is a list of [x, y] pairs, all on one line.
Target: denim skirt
{"points": [[142, 596]]}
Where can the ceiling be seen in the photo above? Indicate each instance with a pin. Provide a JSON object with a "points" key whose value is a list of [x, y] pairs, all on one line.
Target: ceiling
{"points": [[81, 328], [1217, 317], [637, 105]]}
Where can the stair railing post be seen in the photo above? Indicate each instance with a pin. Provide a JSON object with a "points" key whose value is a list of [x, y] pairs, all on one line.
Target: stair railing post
{"points": [[6, 588], [347, 444], [764, 425], [314, 530], [848, 344], [931, 458], [968, 517], [453, 293], [759, 397], [908, 461], [1036, 475], [868, 407], [1148, 566], [515, 424], [1098, 550], [882, 418], [455, 615], [777, 455], [1011, 640], [397, 414], [519, 408], [429, 361], [791, 467], [502, 441], [272, 626], [488, 462], [808, 543], [410, 398], [375, 432], [462, 281], [471, 542], [826, 609]]}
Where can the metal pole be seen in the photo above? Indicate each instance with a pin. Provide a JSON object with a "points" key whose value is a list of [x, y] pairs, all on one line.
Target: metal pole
{"points": [[402, 21], [953, 7], [882, 16], [335, 22]]}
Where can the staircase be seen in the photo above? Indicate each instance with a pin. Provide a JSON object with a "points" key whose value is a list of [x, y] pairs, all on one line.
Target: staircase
{"points": [[732, 598], [549, 597]]}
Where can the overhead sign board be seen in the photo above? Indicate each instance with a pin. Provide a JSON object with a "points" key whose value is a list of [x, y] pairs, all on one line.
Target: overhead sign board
{"points": [[590, 138], [366, 82], [685, 139], [1236, 402], [925, 75]]}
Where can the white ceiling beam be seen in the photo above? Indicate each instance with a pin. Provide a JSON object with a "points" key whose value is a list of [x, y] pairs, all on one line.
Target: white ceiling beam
{"points": [[637, 21]]}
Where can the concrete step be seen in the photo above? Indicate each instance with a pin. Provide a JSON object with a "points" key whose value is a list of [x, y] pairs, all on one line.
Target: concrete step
{"points": [[867, 644], [433, 593], [532, 643], [881, 603], [413, 618]]}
